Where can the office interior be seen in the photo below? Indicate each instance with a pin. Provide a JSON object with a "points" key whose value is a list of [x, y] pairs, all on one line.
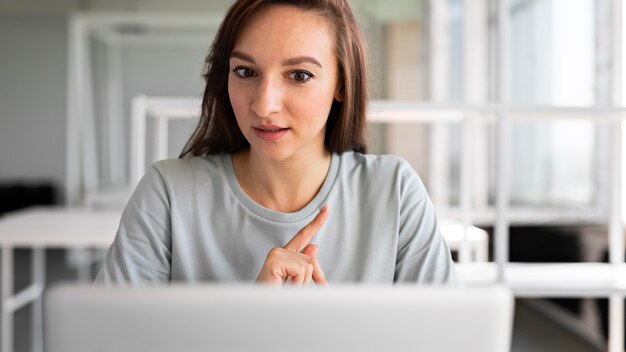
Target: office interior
{"points": [[511, 112]]}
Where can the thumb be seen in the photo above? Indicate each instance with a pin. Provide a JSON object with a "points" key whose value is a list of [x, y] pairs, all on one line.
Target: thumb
{"points": [[318, 275]]}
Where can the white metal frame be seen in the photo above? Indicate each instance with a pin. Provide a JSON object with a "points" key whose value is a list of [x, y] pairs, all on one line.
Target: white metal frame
{"points": [[81, 154], [616, 229], [439, 61], [162, 110]]}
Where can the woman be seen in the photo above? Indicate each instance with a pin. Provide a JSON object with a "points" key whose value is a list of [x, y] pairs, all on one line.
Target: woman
{"points": [[273, 185]]}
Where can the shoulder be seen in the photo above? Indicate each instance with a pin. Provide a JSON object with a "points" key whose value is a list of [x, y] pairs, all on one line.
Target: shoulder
{"points": [[381, 169], [187, 169], [389, 163], [181, 178]]}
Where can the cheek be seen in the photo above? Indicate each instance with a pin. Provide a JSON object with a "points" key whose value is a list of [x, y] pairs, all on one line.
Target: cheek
{"points": [[316, 107], [237, 99]]}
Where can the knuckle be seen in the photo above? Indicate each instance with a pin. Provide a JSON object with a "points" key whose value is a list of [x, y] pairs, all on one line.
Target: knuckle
{"points": [[274, 252], [311, 260], [273, 256]]}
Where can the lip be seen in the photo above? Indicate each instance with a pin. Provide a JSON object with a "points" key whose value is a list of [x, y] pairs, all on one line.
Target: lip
{"points": [[268, 127], [269, 132]]}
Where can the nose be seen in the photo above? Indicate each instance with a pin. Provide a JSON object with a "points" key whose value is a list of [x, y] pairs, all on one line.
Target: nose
{"points": [[268, 98]]}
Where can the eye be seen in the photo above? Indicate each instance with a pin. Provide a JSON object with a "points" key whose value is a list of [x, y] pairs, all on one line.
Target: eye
{"points": [[300, 76], [244, 72]]}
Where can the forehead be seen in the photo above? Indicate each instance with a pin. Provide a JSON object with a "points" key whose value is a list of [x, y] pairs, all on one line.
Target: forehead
{"points": [[283, 31]]}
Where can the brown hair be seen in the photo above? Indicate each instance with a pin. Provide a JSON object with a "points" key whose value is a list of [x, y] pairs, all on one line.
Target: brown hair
{"points": [[217, 130]]}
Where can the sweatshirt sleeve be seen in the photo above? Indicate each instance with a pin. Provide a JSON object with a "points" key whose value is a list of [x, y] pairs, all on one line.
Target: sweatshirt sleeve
{"points": [[141, 250], [423, 254]]}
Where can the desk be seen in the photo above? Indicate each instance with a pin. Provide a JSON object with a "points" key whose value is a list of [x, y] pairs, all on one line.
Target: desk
{"points": [[38, 229], [589, 280], [531, 280], [477, 240]]}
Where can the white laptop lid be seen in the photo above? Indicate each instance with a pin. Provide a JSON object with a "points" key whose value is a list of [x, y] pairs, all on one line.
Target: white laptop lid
{"points": [[254, 318]]}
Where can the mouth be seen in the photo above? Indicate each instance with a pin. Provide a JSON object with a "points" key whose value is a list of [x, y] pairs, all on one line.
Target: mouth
{"points": [[269, 128], [270, 133]]}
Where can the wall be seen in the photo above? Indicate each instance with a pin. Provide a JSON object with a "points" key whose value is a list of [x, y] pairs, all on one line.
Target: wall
{"points": [[33, 79], [32, 97]]}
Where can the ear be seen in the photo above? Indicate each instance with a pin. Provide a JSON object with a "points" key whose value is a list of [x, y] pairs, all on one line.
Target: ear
{"points": [[339, 95]]}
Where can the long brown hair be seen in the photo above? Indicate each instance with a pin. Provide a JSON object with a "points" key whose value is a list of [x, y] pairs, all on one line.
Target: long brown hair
{"points": [[217, 130]]}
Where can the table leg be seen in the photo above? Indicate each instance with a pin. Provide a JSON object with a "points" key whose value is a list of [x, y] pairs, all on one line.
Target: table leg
{"points": [[39, 280], [616, 323], [481, 251], [6, 333], [84, 266]]}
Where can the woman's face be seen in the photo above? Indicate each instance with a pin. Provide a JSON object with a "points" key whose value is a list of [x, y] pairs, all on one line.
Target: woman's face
{"points": [[282, 82]]}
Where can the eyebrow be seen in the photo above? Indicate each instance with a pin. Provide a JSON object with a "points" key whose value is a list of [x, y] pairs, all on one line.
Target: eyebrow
{"points": [[288, 62]]}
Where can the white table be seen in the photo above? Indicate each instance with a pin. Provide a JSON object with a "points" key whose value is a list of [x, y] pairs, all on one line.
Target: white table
{"points": [[552, 280], [38, 229], [477, 240]]}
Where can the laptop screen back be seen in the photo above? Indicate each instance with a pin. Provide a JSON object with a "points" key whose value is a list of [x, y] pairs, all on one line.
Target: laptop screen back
{"points": [[254, 318]]}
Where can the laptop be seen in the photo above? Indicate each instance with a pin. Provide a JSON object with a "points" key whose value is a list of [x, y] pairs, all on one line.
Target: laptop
{"points": [[224, 318]]}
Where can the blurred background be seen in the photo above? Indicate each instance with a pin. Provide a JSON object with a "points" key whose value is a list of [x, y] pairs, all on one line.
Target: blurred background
{"points": [[92, 91]]}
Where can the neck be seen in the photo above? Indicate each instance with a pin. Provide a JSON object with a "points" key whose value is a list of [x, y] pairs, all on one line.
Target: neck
{"points": [[286, 185]]}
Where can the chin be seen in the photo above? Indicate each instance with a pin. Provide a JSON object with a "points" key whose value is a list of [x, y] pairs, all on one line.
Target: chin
{"points": [[273, 154]]}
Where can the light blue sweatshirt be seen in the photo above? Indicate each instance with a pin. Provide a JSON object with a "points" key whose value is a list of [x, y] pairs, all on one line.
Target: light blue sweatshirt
{"points": [[189, 220]]}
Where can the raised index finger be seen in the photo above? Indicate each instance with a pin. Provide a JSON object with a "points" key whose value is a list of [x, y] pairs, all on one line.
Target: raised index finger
{"points": [[306, 234]]}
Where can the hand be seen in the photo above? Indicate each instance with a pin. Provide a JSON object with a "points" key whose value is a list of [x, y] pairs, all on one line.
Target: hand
{"points": [[297, 260]]}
